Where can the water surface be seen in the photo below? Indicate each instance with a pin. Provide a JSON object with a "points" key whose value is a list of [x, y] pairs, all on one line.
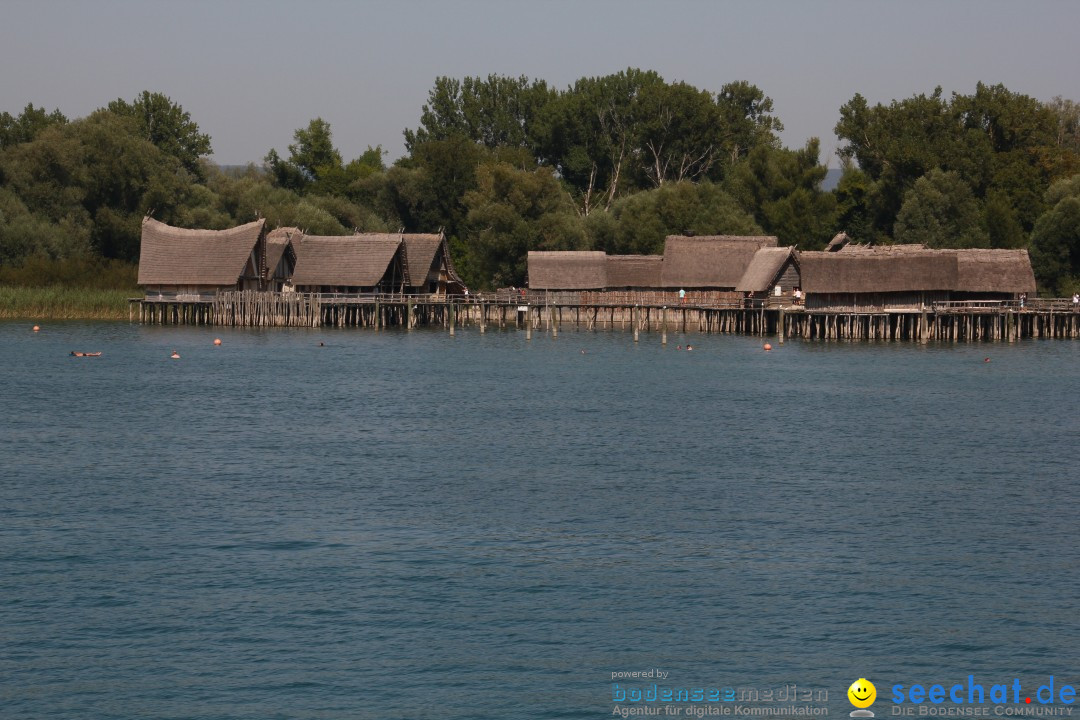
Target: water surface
{"points": [[408, 525]]}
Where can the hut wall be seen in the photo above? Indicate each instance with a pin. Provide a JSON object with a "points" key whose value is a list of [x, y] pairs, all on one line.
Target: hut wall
{"points": [[649, 296], [789, 279], [873, 302], [281, 274]]}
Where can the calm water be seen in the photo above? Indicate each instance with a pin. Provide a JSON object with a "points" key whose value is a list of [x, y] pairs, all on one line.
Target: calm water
{"points": [[416, 526]]}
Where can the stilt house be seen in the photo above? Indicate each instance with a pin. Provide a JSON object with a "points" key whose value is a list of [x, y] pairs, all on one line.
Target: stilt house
{"points": [[369, 263], [911, 278], [182, 262], [430, 270], [772, 276]]}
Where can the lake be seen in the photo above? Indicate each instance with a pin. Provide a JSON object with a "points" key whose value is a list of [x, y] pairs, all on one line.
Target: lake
{"points": [[408, 525]]}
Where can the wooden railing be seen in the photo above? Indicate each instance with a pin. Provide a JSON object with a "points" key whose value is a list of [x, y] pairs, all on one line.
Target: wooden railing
{"points": [[1030, 304]]}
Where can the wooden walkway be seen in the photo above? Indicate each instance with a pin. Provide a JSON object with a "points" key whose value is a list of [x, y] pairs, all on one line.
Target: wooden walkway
{"points": [[953, 321]]}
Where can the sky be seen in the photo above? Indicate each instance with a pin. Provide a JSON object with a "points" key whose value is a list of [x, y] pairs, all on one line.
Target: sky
{"points": [[250, 72]]}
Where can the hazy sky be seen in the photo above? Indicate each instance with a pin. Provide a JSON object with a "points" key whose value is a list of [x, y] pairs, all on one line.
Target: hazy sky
{"points": [[251, 72]]}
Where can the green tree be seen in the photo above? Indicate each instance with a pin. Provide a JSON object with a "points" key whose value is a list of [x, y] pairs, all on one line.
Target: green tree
{"points": [[940, 211], [638, 223], [680, 133], [26, 126], [496, 111], [427, 188], [782, 189], [97, 173], [510, 212], [747, 119], [855, 204], [313, 159], [590, 135], [168, 126], [1055, 242], [1002, 225], [999, 142]]}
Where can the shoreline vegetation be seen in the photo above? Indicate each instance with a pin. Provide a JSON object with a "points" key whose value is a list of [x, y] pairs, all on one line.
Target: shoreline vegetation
{"points": [[69, 289], [57, 302]]}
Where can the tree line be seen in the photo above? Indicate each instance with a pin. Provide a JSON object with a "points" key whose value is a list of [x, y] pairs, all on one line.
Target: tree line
{"points": [[506, 165]]}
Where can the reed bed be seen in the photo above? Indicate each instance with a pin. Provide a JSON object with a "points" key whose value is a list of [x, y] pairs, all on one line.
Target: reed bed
{"points": [[64, 303]]}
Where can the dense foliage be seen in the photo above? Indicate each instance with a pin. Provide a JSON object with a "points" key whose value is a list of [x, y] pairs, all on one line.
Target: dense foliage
{"points": [[615, 163]]}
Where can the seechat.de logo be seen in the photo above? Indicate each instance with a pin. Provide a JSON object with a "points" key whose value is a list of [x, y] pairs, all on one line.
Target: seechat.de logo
{"points": [[862, 694]]}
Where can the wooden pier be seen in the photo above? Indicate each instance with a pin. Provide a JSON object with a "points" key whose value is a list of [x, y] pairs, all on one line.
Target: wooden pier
{"points": [[946, 321]]}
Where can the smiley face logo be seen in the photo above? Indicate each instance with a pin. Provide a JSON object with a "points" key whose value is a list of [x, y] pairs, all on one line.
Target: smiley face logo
{"points": [[862, 693]]}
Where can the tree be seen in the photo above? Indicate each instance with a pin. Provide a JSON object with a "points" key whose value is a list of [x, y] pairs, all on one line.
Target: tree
{"points": [[940, 211], [1001, 222], [1067, 115], [782, 190], [1055, 242], [638, 223], [998, 142], [681, 132], [96, 173], [494, 112], [510, 212], [590, 135], [427, 188], [25, 127], [168, 126], [855, 204], [747, 119]]}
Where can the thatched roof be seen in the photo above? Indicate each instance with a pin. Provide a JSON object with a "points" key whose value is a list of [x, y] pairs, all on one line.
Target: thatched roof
{"points": [[869, 272], [567, 270], [763, 270], [905, 248], [1006, 271], [900, 268], [279, 242], [176, 256], [634, 271], [709, 261], [420, 252], [351, 260]]}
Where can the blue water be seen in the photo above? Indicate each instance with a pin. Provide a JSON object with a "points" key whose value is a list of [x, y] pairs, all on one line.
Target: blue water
{"points": [[408, 525]]}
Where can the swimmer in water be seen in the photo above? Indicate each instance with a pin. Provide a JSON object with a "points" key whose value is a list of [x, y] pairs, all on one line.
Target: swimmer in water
{"points": [[175, 355]]}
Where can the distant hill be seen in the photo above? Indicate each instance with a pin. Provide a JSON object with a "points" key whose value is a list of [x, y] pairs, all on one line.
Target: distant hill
{"points": [[832, 179]]}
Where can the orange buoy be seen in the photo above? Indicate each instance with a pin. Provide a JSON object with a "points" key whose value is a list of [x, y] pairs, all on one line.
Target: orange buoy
{"points": [[36, 328], [217, 341], [768, 347]]}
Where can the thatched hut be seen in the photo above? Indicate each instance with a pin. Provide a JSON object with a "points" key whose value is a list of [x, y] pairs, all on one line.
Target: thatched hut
{"points": [[911, 278], [692, 269], [430, 269], [563, 274], [370, 263], [178, 261], [773, 272], [707, 267]]}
